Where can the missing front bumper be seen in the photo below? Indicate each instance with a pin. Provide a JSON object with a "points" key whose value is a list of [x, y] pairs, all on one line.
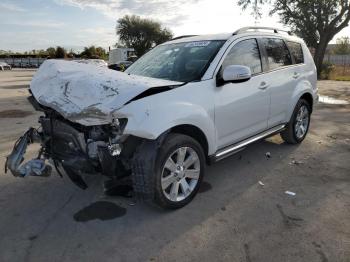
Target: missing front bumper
{"points": [[34, 167], [37, 166], [71, 149]]}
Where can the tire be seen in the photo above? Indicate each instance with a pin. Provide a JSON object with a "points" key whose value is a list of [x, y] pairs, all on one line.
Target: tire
{"points": [[153, 170], [292, 134]]}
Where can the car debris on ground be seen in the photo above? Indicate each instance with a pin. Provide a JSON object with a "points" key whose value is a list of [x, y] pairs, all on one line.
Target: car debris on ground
{"points": [[296, 162], [290, 193]]}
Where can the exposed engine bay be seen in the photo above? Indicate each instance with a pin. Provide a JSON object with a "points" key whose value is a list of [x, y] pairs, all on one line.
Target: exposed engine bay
{"points": [[73, 148]]}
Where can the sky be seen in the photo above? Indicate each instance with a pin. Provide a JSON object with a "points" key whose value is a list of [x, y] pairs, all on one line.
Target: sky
{"points": [[38, 24]]}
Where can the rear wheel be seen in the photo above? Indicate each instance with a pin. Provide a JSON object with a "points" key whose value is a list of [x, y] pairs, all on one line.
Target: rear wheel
{"points": [[298, 125]]}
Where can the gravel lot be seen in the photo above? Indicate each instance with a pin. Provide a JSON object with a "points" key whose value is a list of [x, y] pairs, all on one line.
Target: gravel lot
{"points": [[234, 218]]}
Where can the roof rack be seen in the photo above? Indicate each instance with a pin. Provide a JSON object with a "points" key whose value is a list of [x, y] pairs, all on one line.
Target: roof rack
{"points": [[245, 29], [182, 36]]}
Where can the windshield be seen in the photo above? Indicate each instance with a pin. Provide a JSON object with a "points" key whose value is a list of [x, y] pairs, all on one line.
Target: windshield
{"points": [[183, 62]]}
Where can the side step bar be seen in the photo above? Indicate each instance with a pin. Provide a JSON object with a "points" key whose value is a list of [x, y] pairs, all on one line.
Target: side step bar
{"points": [[230, 150]]}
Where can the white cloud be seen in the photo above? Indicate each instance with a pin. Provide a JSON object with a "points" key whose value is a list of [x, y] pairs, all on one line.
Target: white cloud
{"points": [[182, 16], [166, 11], [99, 36], [38, 24], [11, 7]]}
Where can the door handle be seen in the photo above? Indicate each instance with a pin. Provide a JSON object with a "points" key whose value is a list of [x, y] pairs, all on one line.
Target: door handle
{"points": [[263, 85], [296, 75]]}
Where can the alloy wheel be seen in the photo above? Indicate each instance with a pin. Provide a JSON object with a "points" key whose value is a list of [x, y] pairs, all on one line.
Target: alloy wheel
{"points": [[301, 122], [180, 174]]}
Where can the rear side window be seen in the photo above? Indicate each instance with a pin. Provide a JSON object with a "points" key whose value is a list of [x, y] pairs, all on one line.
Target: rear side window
{"points": [[277, 53], [244, 53], [296, 52]]}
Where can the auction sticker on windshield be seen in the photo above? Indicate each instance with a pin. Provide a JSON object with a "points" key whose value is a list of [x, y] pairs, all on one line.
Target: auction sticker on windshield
{"points": [[197, 44]]}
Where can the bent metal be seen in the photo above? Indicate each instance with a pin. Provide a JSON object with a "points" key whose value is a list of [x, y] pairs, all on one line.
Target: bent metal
{"points": [[186, 103]]}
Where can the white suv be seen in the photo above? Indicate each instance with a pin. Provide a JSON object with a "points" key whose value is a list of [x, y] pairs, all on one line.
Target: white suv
{"points": [[186, 103]]}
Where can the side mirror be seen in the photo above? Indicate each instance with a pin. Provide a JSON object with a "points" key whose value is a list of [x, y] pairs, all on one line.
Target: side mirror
{"points": [[236, 73]]}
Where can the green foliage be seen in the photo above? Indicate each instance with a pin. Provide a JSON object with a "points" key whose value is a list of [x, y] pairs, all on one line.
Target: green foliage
{"points": [[51, 52], [60, 52], [326, 70], [141, 34], [313, 20], [255, 4], [343, 46], [93, 52], [119, 45], [317, 21], [342, 78]]}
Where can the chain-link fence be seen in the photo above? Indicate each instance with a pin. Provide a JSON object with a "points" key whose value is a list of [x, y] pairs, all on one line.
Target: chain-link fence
{"points": [[30, 62]]}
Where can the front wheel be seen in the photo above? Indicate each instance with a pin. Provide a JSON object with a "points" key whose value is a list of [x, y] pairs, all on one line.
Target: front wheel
{"points": [[299, 123], [177, 172]]}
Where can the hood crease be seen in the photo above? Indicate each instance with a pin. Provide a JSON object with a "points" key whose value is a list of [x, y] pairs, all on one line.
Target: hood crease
{"points": [[86, 94]]}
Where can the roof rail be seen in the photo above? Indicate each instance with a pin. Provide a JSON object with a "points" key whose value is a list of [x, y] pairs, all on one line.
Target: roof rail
{"points": [[275, 30], [182, 36]]}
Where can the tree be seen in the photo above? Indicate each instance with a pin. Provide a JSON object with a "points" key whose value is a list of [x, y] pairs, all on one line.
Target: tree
{"points": [[255, 4], [101, 52], [119, 45], [88, 52], [316, 21], [60, 52], [94, 52], [141, 34], [42, 53], [343, 46], [51, 52]]}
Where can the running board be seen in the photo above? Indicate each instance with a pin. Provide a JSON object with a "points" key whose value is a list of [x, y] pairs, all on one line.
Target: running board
{"points": [[230, 150]]}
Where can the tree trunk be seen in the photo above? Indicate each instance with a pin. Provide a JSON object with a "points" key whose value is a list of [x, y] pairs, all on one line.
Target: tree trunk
{"points": [[319, 54]]}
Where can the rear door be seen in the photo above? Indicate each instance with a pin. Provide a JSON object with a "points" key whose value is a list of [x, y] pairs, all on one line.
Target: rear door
{"points": [[280, 77], [242, 109]]}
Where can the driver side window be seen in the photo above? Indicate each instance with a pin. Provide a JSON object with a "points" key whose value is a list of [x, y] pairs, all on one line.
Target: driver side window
{"points": [[244, 53]]}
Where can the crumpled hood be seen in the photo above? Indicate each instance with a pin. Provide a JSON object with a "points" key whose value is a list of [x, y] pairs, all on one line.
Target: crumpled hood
{"points": [[87, 94]]}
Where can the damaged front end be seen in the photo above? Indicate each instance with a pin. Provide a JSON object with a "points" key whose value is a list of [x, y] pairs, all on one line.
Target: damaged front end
{"points": [[79, 132], [34, 167], [71, 147]]}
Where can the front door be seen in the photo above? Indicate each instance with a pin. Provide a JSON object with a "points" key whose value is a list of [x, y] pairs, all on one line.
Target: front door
{"points": [[242, 109]]}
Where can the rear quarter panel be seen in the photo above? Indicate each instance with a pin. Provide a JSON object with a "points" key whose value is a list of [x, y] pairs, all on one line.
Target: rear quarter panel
{"points": [[307, 82]]}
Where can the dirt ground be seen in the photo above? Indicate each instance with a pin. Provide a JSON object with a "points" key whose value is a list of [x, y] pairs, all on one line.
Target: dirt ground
{"points": [[242, 212]]}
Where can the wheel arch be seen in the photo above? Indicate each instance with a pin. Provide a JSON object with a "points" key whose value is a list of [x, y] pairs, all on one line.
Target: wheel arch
{"points": [[303, 90], [308, 97], [194, 132]]}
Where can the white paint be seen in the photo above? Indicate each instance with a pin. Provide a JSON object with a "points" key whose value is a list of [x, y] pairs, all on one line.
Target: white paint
{"points": [[85, 93], [226, 114], [95, 62]]}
